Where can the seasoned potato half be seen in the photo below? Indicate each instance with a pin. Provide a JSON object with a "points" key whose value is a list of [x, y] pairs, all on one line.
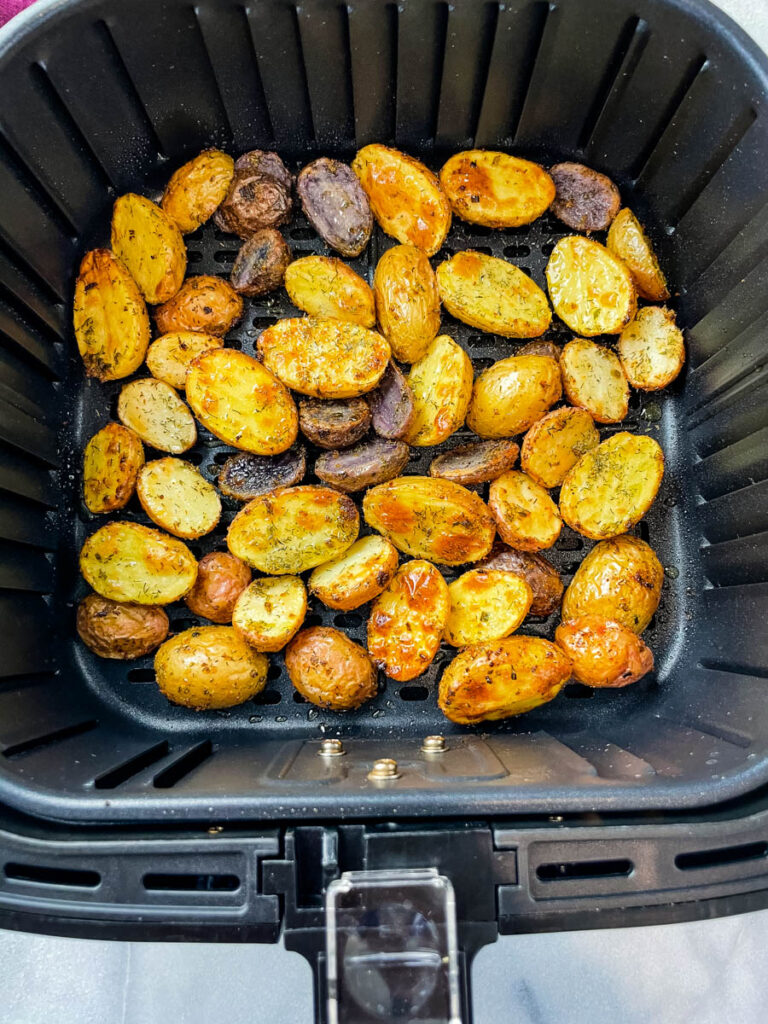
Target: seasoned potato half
{"points": [[476, 462], [612, 486], [336, 205], [407, 301], [526, 517], [492, 294], [441, 382], [392, 405], [209, 667], [510, 396], [155, 412], [408, 620], [113, 458], [205, 304], [293, 529], [130, 562], [357, 576], [326, 286], [170, 356], [330, 670], [324, 358], [150, 245], [555, 443], [594, 380], [486, 604], [118, 630], [651, 349], [270, 611], [603, 652], [627, 240], [365, 464], [221, 579], [261, 263], [496, 189], [507, 677], [540, 575], [431, 518], [197, 188], [334, 423], [241, 402], [405, 197], [586, 200], [246, 476], [177, 497], [591, 289]]}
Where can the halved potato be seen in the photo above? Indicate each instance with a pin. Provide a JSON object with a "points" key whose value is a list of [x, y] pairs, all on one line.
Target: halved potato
{"points": [[496, 189], [476, 462], [170, 356], [603, 652], [330, 670], [586, 200], [324, 358], [150, 245], [241, 402], [197, 188], [205, 304], [594, 380], [441, 382], [555, 443], [408, 620], [510, 396], [293, 529], [526, 517], [155, 412], [407, 301], [486, 604], [357, 576], [494, 295], [326, 286], [270, 611], [651, 349], [209, 667], [221, 579], [591, 290], [113, 458], [177, 497], [612, 486], [129, 562], [630, 243]]}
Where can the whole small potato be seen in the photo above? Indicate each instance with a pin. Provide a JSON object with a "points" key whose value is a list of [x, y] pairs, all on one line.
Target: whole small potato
{"points": [[260, 265], [603, 652], [329, 670], [221, 579], [119, 630], [258, 197], [209, 667], [205, 304]]}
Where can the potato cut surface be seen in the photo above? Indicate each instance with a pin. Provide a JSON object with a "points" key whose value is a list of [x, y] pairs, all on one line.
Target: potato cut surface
{"points": [[178, 498]]}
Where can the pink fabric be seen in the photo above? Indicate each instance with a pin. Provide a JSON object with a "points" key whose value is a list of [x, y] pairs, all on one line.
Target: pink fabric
{"points": [[10, 7]]}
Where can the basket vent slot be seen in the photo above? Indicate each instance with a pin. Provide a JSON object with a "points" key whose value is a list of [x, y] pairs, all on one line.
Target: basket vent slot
{"points": [[122, 772], [78, 878], [155, 882], [181, 767], [49, 738], [578, 691], [268, 697], [619, 867], [721, 856]]}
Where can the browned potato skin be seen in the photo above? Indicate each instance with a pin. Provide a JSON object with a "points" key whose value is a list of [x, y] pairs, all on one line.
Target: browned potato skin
{"points": [[510, 396], [586, 200], [113, 458], [603, 652], [333, 424], [209, 667], [221, 579], [197, 188], [555, 443], [476, 462], [392, 405], [260, 265], [259, 195], [540, 575], [364, 465], [496, 189], [346, 594], [539, 347], [205, 304], [119, 630], [336, 205], [330, 670], [407, 301]]}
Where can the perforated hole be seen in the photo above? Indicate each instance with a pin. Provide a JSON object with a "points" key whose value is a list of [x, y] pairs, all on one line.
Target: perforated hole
{"points": [[268, 697], [414, 692]]}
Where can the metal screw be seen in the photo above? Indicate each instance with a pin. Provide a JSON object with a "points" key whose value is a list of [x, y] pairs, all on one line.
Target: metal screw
{"points": [[383, 770], [215, 829], [433, 744], [331, 748]]}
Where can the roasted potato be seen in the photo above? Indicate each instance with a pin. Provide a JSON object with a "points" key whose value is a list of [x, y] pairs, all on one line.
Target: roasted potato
{"points": [[619, 579], [651, 349], [408, 620], [486, 604], [407, 301], [555, 443], [486, 682], [430, 518], [593, 379], [492, 294], [526, 517], [113, 458], [326, 286], [612, 486], [293, 529], [630, 243], [150, 245], [246, 476], [510, 396], [205, 304], [441, 382], [405, 197], [324, 358], [591, 290], [155, 412], [197, 188], [334, 424], [539, 347], [115, 629], [330, 670], [602, 652], [259, 195], [241, 402], [357, 576], [261, 263], [336, 205], [392, 405], [129, 562], [270, 611], [586, 200], [540, 575], [363, 465], [221, 579], [110, 318], [209, 667], [496, 189], [170, 356], [476, 462], [178, 498]]}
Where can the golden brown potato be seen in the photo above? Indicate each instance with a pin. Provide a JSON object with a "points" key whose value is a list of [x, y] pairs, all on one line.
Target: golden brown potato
{"points": [[612, 486], [155, 412], [261, 263], [178, 498], [441, 382], [335, 204], [407, 301], [334, 423], [476, 462], [221, 579], [486, 604], [357, 576], [651, 349], [209, 667], [408, 620], [426, 517], [486, 682], [526, 517], [603, 652], [324, 358], [330, 670], [293, 529], [405, 197], [594, 380], [246, 476], [586, 200], [326, 286], [630, 243], [129, 562], [496, 189], [619, 579], [150, 245], [197, 188], [510, 396], [110, 318], [492, 294], [591, 290], [113, 458], [205, 304], [555, 443], [170, 356], [115, 629], [270, 611], [540, 575]]}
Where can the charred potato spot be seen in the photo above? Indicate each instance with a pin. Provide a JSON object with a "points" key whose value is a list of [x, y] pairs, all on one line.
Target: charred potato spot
{"points": [[178, 498], [326, 286], [336, 206], [246, 476], [153, 410], [585, 199], [556, 443], [258, 197], [526, 517], [603, 652], [330, 670], [486, 604], [594, 379], [170, 356], [357, 576], [392, 405], [630, 243], [205, 304], [591, 290], [150, 245], [118, 630], [209, 667], [441, 382], [496, 189], [364, 465], [540, 348], [540, 575], [476, 462], [261, 263], [197, 188], [221, 579], [407, 301], [270, 611], [651, 349], [334, 424], [510, 396], [113, 458]]}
